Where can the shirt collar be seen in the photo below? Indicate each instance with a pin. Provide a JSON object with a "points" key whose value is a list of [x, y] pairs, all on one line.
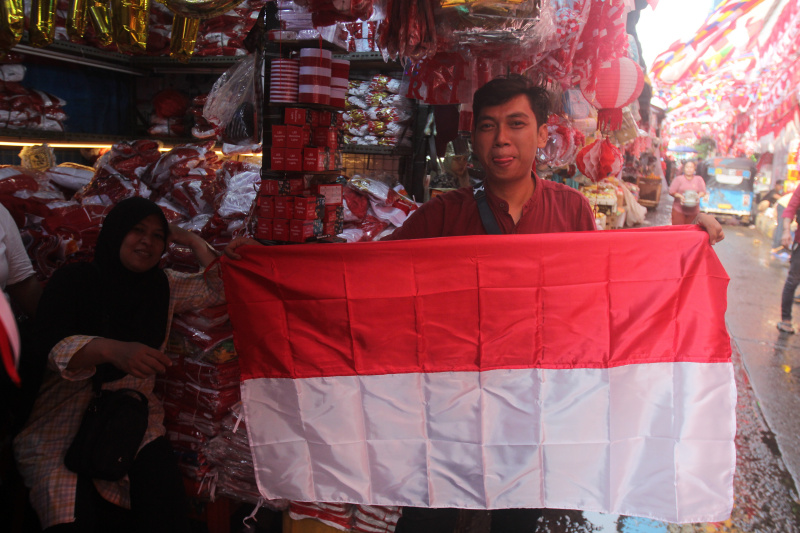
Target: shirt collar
{"points": [[502, 206]]}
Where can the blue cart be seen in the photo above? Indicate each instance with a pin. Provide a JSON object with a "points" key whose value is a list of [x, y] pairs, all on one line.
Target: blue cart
{"points": [[729, 183]]}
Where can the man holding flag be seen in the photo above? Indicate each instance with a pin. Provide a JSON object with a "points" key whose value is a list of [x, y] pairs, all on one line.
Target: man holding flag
{"points": [[371, 377], [510, 125]]}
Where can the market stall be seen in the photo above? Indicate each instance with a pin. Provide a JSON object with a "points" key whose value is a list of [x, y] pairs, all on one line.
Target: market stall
{"points": [[317, 128]]}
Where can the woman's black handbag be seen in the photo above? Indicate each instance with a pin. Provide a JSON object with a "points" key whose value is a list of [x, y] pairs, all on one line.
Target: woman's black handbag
{"points": [[110, 434]]}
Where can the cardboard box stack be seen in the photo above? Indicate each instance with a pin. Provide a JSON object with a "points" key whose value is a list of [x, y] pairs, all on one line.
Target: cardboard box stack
{"points": [[295, 203]]}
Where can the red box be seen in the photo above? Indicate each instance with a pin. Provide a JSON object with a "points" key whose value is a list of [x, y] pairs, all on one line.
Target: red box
{"points": [[309, 207], [315, 159], [266, 208], [264, 229], [274, 187], [294, 137], [294, 159], [332, 228], [314, 117], [303, 230], [279, 136], [331, 191], [333, 213], [334, 160], [284, 207], [307, 136], [294, 115], [277, 158], [326, 138], [325, 119], [280, 230]]}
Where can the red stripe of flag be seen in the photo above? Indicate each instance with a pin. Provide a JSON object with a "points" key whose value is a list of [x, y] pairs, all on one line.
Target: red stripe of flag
{"points": [[577, 300]]}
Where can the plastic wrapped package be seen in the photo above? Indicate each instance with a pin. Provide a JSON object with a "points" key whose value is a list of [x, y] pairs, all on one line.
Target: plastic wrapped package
{"points": [[71, 176], [207, 318], [172, 211], [213, 345], [355, 204], [185, 436], [335, 515], [14, 178], [232, 106], [477, 22], [239, 187], [216, 402], [195, 192], [180, 162], [23, 108], [107, 188], [210, 375], [408, 29], [12, 72], [375, 519], [117, 172]]}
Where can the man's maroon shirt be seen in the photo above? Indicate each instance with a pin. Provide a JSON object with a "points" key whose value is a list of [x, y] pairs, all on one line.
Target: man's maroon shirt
{"points": [[552, 208]]}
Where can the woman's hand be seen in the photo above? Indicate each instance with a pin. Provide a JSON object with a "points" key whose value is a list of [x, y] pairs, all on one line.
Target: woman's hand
{"points": [[138, 359], [230, 250], [181, 236], [678, 196], [711, 226]]}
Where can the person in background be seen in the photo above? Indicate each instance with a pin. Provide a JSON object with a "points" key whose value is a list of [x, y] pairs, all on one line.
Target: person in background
{"points": [[771, 196], [687, 189], [17, 277], [789, 242], [108, 320], [20, 376], [777, 234]]}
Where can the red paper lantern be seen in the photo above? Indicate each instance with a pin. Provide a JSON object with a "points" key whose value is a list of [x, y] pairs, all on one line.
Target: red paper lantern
{"points": [[599, 160], [619, 82]]}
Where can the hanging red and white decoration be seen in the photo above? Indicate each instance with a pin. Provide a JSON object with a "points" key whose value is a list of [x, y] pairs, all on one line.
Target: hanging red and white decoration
{"points": [[619, 82], [599, 160]]}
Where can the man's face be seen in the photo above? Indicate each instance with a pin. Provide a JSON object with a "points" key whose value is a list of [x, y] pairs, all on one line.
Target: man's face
{"points": [[505, 140]]}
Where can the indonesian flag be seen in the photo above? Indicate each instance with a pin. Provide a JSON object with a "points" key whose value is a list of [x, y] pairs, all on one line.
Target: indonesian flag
{"points": [[583, 371]]}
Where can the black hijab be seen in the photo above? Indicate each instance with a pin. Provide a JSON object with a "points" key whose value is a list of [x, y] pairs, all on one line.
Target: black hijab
{"points": [[105, 299]]}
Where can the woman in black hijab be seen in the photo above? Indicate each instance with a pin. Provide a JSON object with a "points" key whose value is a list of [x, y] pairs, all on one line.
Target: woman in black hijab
{"points": [[107, 320]]}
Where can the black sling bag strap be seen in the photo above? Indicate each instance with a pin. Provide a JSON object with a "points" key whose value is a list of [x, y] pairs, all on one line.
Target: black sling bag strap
{"points": [[487, 217]]}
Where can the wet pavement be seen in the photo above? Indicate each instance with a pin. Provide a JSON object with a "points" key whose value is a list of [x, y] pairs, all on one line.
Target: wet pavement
{"points": [[767, 370]]}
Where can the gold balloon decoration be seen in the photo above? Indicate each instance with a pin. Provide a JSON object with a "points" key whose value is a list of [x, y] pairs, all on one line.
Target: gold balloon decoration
{"points": [[76, 20], [42, 28], [12, 20], [184, 37], [200, 9], [98, 14], [186, 23], [129, 20]]}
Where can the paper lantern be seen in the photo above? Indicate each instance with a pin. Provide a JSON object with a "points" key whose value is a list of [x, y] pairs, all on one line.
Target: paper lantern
{"points": [[599, 160], [619, 82]]}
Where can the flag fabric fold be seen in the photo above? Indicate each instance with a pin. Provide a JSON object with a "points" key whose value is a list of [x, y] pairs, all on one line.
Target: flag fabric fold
{"points": [[581, 371]]}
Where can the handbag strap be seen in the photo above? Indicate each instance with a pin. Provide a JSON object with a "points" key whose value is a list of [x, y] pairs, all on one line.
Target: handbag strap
{"points": [[487, 216]]}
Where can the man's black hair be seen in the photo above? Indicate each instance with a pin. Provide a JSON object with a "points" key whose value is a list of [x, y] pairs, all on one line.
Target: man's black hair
{"points": [[501, 90]]}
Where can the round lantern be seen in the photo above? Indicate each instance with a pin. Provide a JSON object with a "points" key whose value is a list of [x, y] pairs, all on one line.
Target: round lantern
{"points": [[598, 160], [619, 82]]}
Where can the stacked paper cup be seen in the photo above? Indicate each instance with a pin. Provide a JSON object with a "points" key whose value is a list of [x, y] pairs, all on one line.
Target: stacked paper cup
{"points": [[315, 76], [284, 80], [340, 74]]}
